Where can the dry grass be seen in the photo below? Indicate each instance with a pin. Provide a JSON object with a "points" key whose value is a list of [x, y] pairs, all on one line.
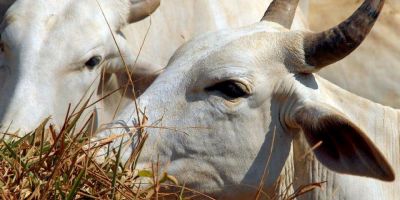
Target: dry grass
{"points": [[47, 163]]}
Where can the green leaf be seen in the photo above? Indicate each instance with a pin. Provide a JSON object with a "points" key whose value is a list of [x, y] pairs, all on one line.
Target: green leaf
{"points": [[145, 173]]}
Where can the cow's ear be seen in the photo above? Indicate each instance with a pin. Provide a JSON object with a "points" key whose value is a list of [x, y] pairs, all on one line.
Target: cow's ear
{"points": [[339, 144], [125, 61], [140, 9]]}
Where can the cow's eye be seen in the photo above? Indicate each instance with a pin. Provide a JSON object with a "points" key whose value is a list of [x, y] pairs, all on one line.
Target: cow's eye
{"points": [[93, 62], [231, 89]]}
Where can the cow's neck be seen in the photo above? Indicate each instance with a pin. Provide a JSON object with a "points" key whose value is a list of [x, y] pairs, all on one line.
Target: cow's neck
{"points": [[380, 123]]}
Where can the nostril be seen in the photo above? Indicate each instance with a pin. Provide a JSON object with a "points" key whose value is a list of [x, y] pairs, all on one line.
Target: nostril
{"points": [[1, 47], [2, 61]]}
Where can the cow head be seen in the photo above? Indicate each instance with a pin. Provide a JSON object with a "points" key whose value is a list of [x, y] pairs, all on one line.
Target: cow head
{"points": [[225, 111], [52, 52]]}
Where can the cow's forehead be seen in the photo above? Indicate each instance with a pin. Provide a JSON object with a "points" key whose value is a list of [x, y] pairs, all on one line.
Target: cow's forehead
{"points": [[29, 10], [41, 11], [47, 27], [227, 47]]}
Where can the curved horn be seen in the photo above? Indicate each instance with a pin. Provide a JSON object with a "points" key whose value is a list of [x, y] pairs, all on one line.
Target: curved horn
{"points": [[281, 12], [324, 48], [4, 5], [141, 9]]}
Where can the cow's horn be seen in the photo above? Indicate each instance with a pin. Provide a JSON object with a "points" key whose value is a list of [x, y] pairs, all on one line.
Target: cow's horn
{"points": [[141, 9], [281, 12], [324, 48]]}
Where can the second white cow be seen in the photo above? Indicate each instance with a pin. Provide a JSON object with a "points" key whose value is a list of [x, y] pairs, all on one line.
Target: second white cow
{"points": [[54, 52]]}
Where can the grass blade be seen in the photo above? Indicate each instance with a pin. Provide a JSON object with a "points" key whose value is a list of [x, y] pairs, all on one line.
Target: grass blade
{"points": [[14, 155], [75, 186], [114, 178]]}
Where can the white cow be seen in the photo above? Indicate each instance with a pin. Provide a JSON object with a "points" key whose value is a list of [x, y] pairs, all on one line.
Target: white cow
{"points": [[241, 108], [47, 48], [52, 52]]}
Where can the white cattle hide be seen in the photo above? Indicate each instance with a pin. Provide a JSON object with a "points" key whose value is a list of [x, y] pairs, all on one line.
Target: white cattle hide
{"points": [[234, 113]]}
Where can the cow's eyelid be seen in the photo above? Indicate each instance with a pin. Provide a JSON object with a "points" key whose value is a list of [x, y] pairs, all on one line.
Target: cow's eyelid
{"points": [[231, 89]]}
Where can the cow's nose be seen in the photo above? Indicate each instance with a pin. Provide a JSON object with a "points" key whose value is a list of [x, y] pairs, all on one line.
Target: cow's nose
{"points": [[118, 136]]}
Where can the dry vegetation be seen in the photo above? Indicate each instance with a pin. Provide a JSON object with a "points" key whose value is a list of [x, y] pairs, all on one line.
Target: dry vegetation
{"points": [[47, 163]]}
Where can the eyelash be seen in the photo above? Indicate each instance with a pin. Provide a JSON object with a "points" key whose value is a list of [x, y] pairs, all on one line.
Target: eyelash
{"points": [[230, 89]]}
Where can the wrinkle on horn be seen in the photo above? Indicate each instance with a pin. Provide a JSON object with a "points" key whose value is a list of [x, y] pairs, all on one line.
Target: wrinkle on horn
{"points": [[281, 12]]}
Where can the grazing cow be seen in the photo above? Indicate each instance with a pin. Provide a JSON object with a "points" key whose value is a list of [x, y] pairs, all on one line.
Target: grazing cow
{"points": [[52, 52], [47, 48], [242, 108]]}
